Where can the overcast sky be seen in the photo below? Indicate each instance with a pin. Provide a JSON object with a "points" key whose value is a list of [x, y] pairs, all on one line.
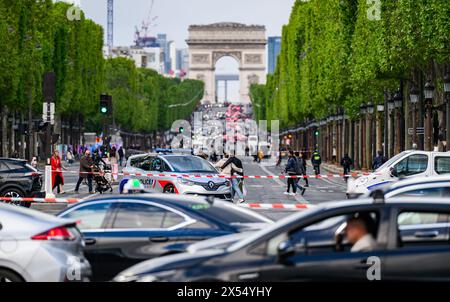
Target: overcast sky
{"points": [[175, 16]]}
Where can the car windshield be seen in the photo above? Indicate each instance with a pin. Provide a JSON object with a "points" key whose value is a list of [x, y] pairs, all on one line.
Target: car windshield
{"points": [[276, 227], [190, 164], [391, 161]]}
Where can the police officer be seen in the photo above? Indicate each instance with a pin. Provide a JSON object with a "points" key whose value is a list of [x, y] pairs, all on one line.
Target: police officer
{"points": [[316, 161]]}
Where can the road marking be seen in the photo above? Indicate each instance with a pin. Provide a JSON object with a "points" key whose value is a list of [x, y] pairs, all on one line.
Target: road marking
{"points": [[301, 199]]}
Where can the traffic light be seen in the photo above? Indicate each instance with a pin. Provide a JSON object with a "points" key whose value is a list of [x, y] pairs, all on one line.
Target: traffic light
{"points": [[317, 133], [105, 104], [181, 130]]}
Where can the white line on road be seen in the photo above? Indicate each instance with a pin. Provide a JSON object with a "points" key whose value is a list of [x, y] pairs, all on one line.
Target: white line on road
{"points": [[300, 199]]}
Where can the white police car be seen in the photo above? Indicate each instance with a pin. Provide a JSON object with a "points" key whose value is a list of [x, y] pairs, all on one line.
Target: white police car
{"points": [[176, 174]]}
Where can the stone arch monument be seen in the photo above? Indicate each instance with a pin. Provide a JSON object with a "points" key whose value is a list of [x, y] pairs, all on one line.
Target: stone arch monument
{"points": [[245, 43]]}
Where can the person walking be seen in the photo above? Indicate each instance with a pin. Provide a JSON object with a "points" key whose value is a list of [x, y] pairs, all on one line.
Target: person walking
{"points": [[291, 170], [121, 155], [57, 176], [346, 163], [299, 172], [228, 168], [279, 158], [86, 166], [113, 156], [378, 161], [69, 157], [316, 161], [34, 162], [302, 161]]}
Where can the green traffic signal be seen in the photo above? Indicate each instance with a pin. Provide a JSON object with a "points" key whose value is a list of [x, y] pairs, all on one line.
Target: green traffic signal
{"points": [[181, 130], [104, 110], [317, 133]]}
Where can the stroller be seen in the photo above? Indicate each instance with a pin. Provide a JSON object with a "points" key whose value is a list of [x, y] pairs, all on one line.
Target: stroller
{"points": [[102, 178]]}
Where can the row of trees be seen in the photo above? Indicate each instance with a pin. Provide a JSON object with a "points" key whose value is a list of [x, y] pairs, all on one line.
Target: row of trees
{"points": [[38, 36], [338, 54], [146, 101]]}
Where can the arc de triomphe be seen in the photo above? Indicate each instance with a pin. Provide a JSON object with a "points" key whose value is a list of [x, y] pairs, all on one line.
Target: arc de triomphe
{"points": [[245, 43]]}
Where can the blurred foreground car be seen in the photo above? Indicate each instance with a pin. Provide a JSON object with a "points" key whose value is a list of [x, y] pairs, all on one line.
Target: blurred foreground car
{"points": [[36, 247], [411, 235], [121, 231]]}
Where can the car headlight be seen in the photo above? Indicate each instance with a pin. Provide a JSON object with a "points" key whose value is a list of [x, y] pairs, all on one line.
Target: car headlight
{"points": [[154, 277], [186, 182]]}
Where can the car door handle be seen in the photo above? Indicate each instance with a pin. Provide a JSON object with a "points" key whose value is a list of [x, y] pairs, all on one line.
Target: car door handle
{"points": [[90, 241], [159, 239], [426, 234]]}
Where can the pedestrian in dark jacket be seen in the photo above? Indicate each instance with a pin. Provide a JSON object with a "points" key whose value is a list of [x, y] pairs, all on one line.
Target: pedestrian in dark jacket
{"points": [[291, 170], [86, 165], [302, 162], [378, 161], [316, 161], [346, 163], [300, 172]]}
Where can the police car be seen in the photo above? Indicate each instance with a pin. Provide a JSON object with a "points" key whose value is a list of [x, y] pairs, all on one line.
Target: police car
{"points": [[408, 164], [176, 173]]}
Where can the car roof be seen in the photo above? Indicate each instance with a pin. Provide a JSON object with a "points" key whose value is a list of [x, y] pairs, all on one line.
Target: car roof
{"points": [[13, 159], [185, 201], [390, 201]]}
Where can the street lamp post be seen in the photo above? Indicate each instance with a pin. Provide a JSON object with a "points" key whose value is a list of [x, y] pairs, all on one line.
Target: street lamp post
{"points": [[447, 107], [380, 139], [363, 111], [414, 98], [398, 103], [391, 107], [370, 139], [429, 92]]}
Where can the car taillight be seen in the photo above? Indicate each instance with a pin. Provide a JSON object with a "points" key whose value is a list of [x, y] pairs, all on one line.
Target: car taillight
{"points": [[56, 234]]}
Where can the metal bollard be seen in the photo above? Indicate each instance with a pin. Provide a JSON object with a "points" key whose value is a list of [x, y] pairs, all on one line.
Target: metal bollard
{"points": [[48, 182]]}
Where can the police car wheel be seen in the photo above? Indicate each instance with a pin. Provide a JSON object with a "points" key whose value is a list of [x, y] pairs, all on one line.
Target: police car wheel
{"points": [[169, 189]]}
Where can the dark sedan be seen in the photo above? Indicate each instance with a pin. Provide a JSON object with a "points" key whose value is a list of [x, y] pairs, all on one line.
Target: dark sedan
{"points": [[19, 179], [410, 242], [121, 231]]}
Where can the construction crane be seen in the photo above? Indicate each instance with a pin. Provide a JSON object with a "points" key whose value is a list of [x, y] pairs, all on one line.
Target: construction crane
{"points": [[146, 25], [110, 29]]}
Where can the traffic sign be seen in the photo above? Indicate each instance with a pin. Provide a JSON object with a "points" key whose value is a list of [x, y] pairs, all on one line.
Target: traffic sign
{"points": [[48, 113], [419, 131]]}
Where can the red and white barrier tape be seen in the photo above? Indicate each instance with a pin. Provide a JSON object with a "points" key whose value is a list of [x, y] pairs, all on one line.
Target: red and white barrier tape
{"points": [[329, 175], [261, 206], [269, 206]]}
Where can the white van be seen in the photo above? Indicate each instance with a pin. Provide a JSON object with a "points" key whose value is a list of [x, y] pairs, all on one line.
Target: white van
{"points": [[407, 164]]}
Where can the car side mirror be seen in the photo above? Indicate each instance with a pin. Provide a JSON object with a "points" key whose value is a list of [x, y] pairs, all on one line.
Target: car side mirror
{"points": [[288, 248], [393, 172]]}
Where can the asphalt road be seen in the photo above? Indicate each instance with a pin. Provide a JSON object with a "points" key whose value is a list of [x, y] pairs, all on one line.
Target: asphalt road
{"points": [[267, 191]]}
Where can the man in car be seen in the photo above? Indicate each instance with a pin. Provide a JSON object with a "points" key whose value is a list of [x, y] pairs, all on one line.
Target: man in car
{"points": [[358, 235]]}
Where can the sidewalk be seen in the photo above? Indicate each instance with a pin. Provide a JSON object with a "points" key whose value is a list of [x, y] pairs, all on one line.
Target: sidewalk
{"points": [[337, 169]]}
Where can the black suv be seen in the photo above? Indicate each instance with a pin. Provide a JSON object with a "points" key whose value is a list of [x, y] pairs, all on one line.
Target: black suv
{"points": [[19, 179], [411, 242]]}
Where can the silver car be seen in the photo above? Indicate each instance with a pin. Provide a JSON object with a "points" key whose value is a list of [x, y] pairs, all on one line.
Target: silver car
{"points": [[168, 174], [37, 247]]}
